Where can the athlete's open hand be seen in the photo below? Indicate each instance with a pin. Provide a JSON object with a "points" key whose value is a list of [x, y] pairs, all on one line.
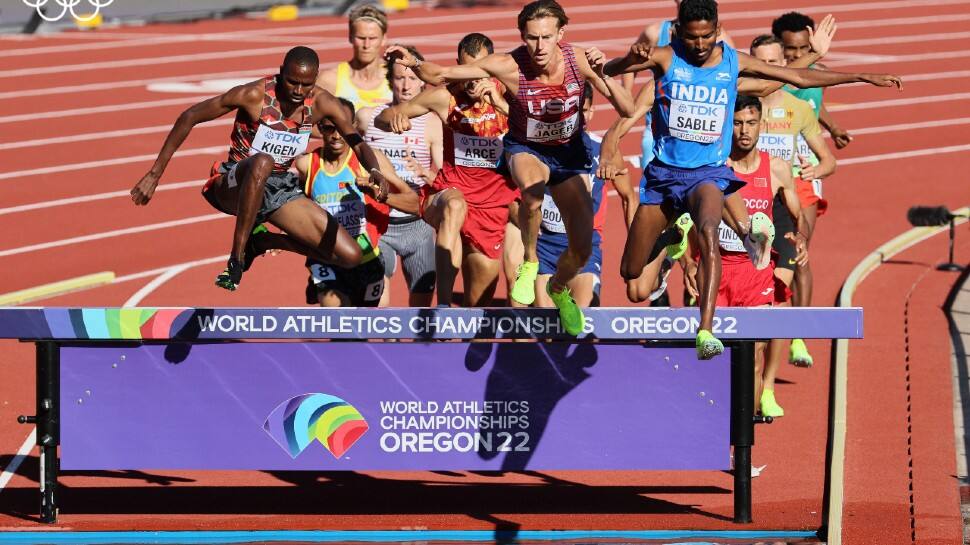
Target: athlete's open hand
{"points": [[801, 248], [144, 189], [400, 55], [376, 185], [883, 80], [821, 37], [597, 61]]}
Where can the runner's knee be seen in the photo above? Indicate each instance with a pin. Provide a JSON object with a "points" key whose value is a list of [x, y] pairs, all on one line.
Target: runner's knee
{"points": [[455, 208], [261, 165]]}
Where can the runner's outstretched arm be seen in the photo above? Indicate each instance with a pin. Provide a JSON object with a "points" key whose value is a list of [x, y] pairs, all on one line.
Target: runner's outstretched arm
{"points": [[398, 118], [498, 65], [805, 78], [240, 96], [610, 157]]}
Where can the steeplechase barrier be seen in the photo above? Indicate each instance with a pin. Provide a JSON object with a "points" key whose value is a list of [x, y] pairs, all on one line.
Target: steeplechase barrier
{"points": [[260, 389]]}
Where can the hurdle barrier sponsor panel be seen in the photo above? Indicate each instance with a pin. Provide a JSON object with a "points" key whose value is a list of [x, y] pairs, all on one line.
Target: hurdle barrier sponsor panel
{"points": [[393, 406], [628, 324]]}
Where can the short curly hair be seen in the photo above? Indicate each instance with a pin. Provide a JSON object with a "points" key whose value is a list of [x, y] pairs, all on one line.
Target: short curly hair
{"points": [[791, 22], [697, 10]]}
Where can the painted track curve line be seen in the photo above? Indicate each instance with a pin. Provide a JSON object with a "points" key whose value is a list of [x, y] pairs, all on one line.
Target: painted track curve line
{"points": [[838, 401]]}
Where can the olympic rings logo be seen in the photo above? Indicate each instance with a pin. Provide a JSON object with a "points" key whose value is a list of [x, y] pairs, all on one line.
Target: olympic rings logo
{"points": [[67, 6]]}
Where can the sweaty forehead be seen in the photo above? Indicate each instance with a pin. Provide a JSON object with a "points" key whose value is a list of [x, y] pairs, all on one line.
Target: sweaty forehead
{"points": [[299, 72], [768, 52]]}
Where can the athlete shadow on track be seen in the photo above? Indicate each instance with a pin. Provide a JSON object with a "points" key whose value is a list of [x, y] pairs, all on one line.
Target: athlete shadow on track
{"points": [[540, 374], [354, 494]]}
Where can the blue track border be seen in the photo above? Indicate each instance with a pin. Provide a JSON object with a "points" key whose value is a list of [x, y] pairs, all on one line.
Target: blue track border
{"points": [[371, 536]]}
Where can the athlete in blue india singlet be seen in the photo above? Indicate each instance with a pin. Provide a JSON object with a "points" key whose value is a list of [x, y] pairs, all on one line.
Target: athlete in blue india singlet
{"points": [[696, 90]]}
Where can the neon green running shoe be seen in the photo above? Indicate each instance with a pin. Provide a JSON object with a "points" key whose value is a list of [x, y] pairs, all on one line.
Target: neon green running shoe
{"points": [[770, 407], [683, 224], [707, 345], [799, 356], [570, 314], [524, 289]]}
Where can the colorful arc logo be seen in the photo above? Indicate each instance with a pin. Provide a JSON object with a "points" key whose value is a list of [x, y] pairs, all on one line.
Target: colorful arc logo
{"points": [[296, 422]]}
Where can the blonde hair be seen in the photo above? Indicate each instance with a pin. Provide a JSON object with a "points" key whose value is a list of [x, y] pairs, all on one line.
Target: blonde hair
{"points": [[367, 13]]}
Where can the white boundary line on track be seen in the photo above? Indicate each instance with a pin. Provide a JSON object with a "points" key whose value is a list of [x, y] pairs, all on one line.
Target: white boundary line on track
{"points": [[209, 150], [90, 87], [113, 233], [18, 459], [209, 217], [108, 108], [99, 196], [151, 61], [156, 283]]}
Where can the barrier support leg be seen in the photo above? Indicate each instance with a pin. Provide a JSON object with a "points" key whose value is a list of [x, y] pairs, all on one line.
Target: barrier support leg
{"points": [[742, 426], [48, 425]]}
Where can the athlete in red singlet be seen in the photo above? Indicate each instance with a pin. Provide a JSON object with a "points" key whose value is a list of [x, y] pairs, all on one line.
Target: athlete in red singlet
{"points": [[544, 84], [468, 201], [273, 120]]}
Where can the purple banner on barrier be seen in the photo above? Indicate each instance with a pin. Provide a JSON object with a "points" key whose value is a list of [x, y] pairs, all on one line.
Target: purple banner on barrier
{"points": [[625, 323], [393, 406]]}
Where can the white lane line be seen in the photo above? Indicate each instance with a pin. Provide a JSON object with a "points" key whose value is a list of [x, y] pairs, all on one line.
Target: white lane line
{"points": [[112, 234], [161, 270], [150, 61], [18, 459], [125, 84], [110, 108], [90, 87], [154, 285], [634, 159], [903, 154], [68, 201], [915, 57], [104, 135], [121, 39], [897, 102], [110, 162]]}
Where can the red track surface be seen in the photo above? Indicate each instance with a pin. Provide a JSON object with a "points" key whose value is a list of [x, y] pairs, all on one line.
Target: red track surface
{"points": [[107, 72]]}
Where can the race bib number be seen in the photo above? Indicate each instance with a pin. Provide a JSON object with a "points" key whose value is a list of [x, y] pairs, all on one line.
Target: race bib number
{"points": [[551, 216], [696, 121], [540, 131], [778, 145], [729, 240], [322, 273], [281, 145], [374, 290], [476, 151], [350, 214]]}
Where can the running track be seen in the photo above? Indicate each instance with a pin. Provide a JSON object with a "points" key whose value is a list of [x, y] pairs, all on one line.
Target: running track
{"points": [[81, 119]]}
